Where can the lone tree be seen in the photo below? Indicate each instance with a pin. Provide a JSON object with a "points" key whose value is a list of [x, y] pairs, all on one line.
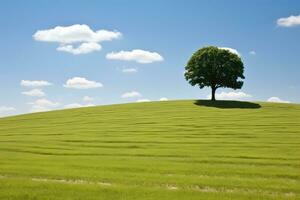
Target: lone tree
{"points": [[216, 68]]}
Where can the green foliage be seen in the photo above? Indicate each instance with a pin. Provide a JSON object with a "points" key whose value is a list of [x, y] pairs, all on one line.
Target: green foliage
{"points": [[216, 68], [157, 150]]}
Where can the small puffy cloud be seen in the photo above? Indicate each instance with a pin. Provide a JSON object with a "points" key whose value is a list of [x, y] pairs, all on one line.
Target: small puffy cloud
{"points": [[6, 109], [82, 83], [277, 100], [83, 48], [87, 99], [75, 34], [34, 93], [78, 33], [28, 83], [289, 21], [45, 103], [41, 105], [88, 105], [77, 105], [142, 100], [129, 70], [131, 94], [230, 95], [231, 50], [73, 105], [137, 55], [253, 53], [39, 109], [163, 99]]}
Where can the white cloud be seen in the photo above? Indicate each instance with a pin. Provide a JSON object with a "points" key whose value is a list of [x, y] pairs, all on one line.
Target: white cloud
{"points": [[36, 108], [252, 53], [77, 33], [289, 21], [230, 95], [83, 48], [231, 50], [137, 55], [88, 105], [45, 103], [87, 98], [277, 100], [82, 83], [28, 83], [77, 105], [131, 94], [5, 109], [163, 99], [41, 105], [129, 70], [73, 105], [34, 93], [142, 100]]}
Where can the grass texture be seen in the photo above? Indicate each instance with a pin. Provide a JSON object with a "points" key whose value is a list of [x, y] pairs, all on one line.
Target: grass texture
{"points": [[155, 150]]}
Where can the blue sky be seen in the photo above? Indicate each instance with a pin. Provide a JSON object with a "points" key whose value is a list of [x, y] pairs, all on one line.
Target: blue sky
{"points": [[165, 32]]}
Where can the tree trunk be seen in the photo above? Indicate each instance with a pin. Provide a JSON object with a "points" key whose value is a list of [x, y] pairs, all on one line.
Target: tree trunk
{"points": [[213, 91]]}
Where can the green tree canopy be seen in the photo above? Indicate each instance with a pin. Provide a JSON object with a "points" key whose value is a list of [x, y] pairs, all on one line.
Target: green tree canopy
{"points": [[216, 68]]}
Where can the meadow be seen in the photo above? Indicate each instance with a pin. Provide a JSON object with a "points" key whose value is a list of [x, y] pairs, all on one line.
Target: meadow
{"points": [[156, 150]]}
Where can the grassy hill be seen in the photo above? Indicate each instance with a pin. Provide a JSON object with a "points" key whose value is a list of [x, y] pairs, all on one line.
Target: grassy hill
{"points": [[157, 150]]}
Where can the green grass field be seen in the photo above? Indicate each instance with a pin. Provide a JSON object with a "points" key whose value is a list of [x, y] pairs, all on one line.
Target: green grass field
{"points": [[156, 150]]}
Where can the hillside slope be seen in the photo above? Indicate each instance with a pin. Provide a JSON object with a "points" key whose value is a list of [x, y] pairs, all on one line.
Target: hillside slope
{"points": [[155, 150]]}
